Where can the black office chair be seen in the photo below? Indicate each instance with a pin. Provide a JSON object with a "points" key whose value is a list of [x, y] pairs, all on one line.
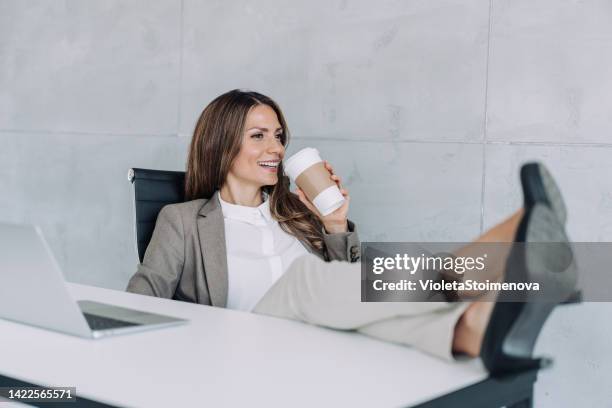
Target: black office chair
{"points": [[153, 189]]}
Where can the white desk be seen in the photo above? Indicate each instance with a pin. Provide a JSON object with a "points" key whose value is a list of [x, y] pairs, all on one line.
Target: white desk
{"points": [[227, 358]]}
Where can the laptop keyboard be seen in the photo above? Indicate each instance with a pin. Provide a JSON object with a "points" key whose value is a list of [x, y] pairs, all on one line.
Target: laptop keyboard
{"points": [[96, 322]]}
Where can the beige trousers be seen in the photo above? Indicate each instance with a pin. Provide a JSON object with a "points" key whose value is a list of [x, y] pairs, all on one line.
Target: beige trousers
{"points": [[329, 294]]}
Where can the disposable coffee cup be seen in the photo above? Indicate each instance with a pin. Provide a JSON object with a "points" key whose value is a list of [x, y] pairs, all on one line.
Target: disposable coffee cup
{"points": [[307, 170]]}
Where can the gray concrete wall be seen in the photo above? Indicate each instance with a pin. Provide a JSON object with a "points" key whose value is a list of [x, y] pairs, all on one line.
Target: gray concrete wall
{"points": [[426, 108]]}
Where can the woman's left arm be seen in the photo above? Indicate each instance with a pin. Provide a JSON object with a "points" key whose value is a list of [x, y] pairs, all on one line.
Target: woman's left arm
{"points": [[343, 246], [340, 236]]}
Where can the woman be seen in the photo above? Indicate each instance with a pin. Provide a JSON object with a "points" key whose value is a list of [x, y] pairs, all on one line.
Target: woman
{"points": [[242, 241], [241, 226]]}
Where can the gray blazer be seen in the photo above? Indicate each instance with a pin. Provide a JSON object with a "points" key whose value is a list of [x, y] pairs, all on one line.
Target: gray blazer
{"points": [[187, 259]]}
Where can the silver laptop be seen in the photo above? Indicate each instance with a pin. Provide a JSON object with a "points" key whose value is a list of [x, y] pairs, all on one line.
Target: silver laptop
{"points": [[33, 291]]}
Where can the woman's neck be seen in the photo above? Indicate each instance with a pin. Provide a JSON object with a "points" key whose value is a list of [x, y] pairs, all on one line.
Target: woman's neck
{"points": [[241, 195]]}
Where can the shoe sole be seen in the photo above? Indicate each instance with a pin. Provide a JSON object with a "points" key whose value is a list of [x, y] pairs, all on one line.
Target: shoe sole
{"points": [[551, 263]]}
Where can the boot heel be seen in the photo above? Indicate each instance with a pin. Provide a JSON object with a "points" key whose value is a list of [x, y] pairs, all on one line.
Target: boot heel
{"points": [[540, 187]]}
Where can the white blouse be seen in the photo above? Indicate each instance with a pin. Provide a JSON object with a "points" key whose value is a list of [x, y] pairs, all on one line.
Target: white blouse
{"points": [[258, 252]]}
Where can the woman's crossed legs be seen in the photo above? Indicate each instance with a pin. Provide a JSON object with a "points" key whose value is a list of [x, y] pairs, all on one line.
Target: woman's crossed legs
{"points": [[329, 294]]}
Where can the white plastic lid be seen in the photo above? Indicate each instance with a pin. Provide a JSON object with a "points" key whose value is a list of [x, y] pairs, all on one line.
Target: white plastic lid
{"points": [[296, 164]]}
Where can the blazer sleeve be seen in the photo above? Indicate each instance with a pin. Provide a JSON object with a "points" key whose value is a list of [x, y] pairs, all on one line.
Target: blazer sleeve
{"points": [[344, 246], [162, 266]]}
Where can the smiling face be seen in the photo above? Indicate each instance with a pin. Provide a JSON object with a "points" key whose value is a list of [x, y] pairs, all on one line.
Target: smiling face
{"points": [[262, 150]]}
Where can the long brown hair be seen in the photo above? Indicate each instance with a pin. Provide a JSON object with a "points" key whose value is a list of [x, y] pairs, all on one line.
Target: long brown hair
{"points": [[215, 144]]}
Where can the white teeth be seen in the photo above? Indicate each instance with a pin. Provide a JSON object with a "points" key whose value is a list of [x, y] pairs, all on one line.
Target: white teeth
{"points": [[269, 163]]}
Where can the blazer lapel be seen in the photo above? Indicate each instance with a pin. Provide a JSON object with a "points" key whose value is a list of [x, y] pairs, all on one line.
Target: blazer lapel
{"points": [[211, 230]]}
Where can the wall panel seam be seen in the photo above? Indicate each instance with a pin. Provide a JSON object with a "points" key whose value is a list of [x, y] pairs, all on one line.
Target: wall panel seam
{"points": [[484, 127], [180, 78]]}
